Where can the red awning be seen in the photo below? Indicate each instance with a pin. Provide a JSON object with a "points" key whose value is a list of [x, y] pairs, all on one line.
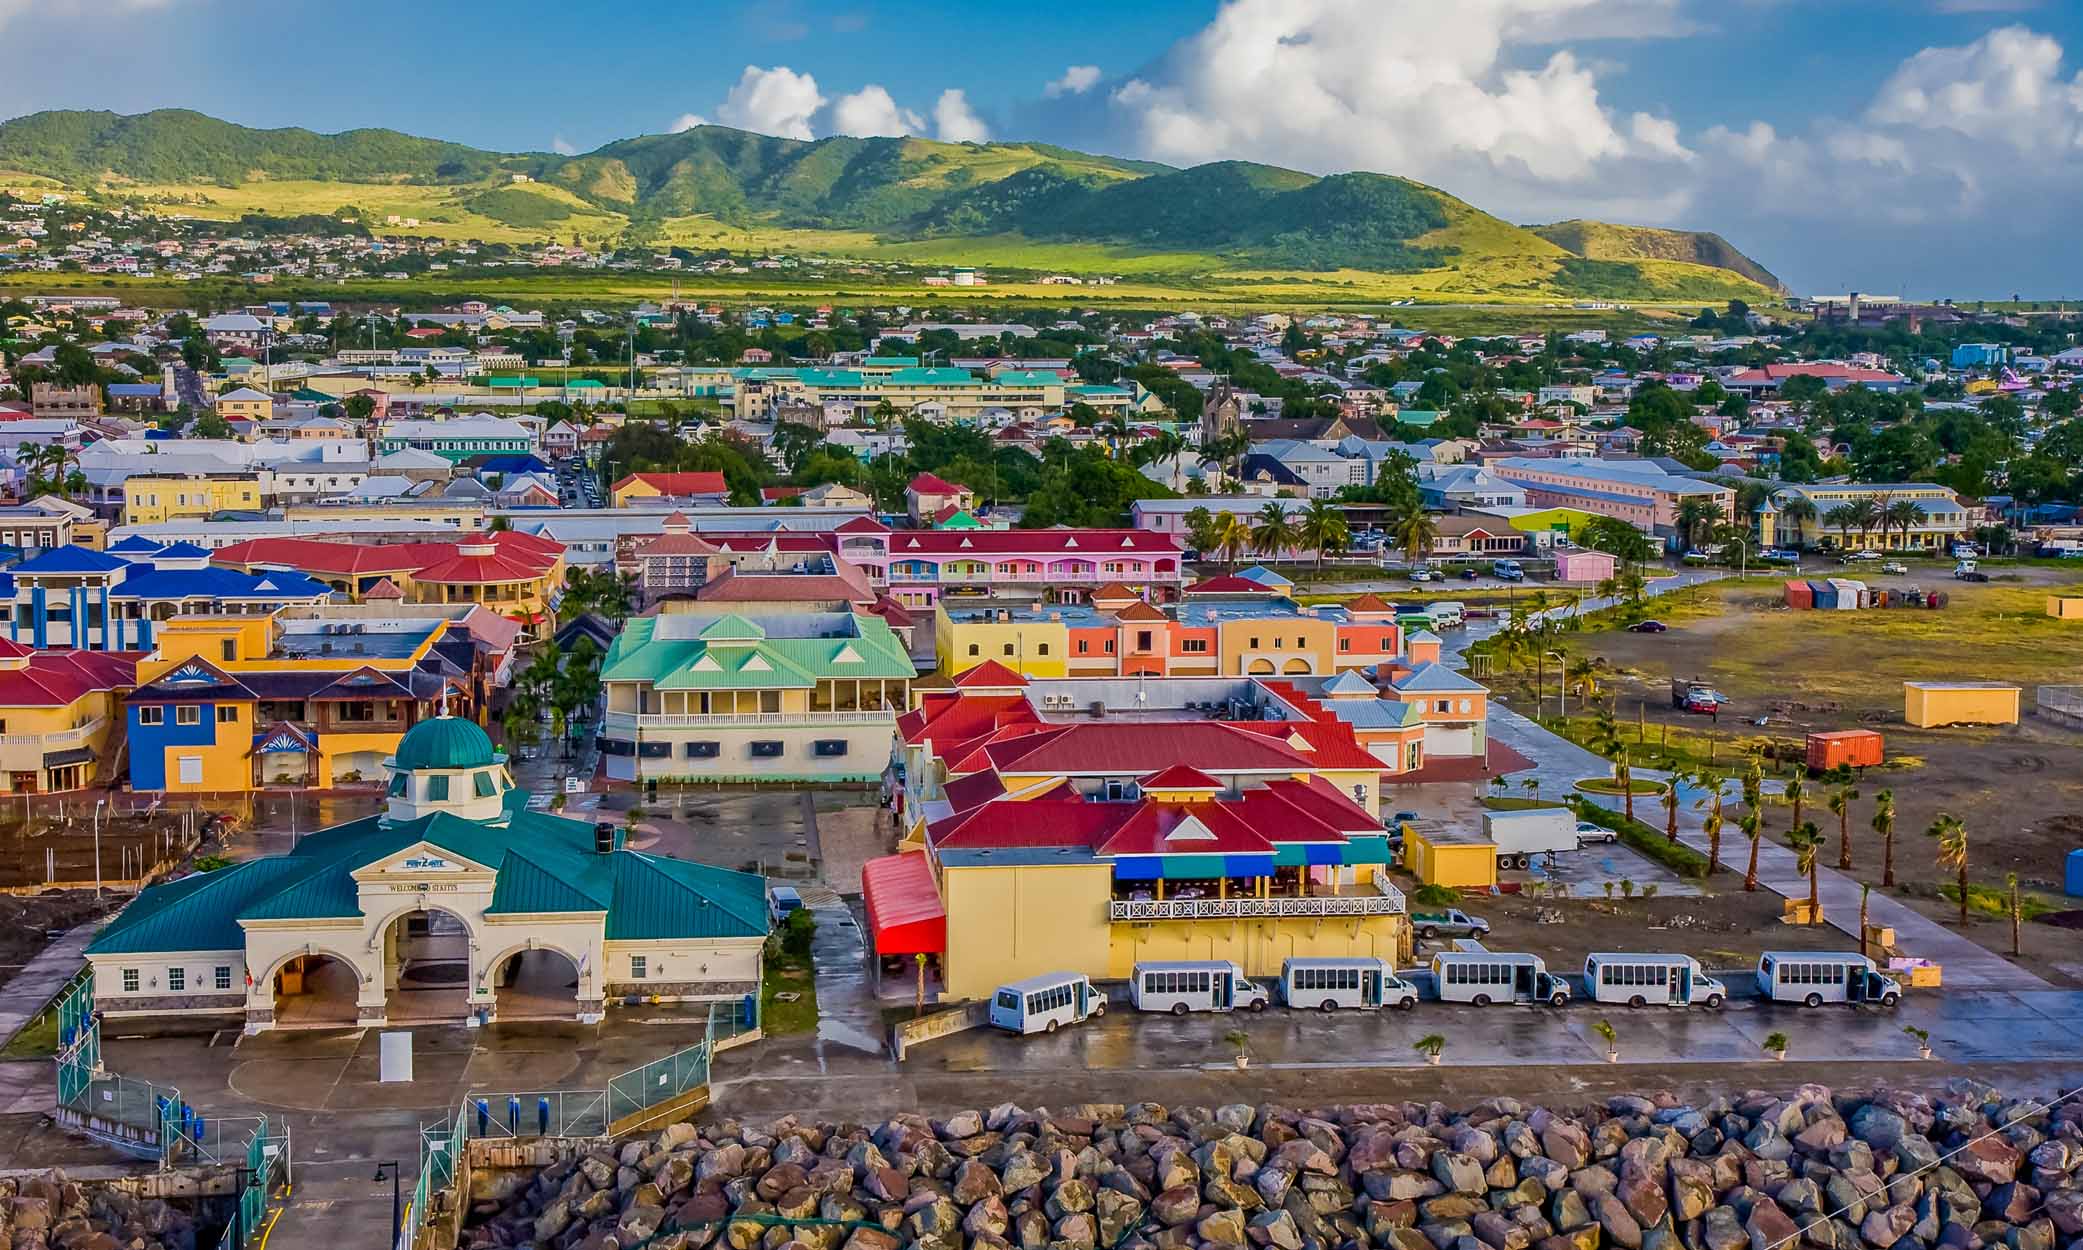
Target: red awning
{"points": [[905, 916]]}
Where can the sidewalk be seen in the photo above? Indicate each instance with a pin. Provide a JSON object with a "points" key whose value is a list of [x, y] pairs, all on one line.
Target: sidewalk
{"points": [[42, 977]]}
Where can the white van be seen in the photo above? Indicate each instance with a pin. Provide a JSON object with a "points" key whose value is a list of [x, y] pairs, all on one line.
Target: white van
{"points": [[1040, 1004], [1329, 984], [1448, 614], [1813, 978], [1472, 973], [1639, 980], [1184, 985]]}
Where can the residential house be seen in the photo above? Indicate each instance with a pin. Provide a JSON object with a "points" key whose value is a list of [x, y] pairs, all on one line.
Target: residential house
{"points": [[60, 712], [671, 490]]}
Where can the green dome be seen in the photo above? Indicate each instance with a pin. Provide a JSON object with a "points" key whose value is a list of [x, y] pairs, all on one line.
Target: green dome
{"points": [[444, 742]]}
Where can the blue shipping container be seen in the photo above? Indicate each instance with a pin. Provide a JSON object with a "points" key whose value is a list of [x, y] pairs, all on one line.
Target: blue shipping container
{"points": [[2074, 884], [1825, 596]]}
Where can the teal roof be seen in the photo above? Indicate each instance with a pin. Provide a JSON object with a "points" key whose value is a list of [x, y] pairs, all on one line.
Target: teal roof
{"points": [[932, 377], [1027, 377], [829, 377], [738, 653], [445, 742], [503, 380], [896, 362], [587, 384], [1420, 417], [546, 865]]}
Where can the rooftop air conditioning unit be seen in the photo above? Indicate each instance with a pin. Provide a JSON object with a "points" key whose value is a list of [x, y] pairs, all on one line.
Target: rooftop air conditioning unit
{"points": [[1099, 709]]}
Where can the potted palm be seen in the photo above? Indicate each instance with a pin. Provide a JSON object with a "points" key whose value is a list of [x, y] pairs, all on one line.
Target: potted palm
{"points": [[1607, 1034], [1775, 1046], [1923, 1037], [1429, 1046], [1241, 1040]]}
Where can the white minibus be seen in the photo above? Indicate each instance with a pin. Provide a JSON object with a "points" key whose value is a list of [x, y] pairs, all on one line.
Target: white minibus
{"points": [[1329, 984], [1040, 1004], [1639, 980], [1184, 985], [1472, 973], [1813, 978], [1448, 614]]}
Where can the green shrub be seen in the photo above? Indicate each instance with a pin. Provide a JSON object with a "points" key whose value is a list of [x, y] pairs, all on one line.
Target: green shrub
{"points": [[1436, 896], [1676, 856]]}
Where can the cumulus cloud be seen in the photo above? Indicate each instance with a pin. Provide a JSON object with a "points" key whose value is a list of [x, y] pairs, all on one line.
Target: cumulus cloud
{"points": [[1472, 95], [1076, 80], [686, 121], [870, 112], [775, 101], [954, 121]]}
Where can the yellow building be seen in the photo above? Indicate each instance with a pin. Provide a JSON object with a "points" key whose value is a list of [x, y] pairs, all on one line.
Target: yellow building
{"points": [[60, 713], [2065, 607], [228, 704], [1928, 704], [1455, 858], [149, 500], [245, 404], [1940, 520]]}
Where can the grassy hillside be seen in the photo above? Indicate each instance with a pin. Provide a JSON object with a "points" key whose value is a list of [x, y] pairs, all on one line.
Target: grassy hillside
{"points": [[1603, 241], [1007, 205]]}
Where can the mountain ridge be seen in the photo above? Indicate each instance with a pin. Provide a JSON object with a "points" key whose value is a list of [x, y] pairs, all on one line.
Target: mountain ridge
{"points": [[882, 193]]}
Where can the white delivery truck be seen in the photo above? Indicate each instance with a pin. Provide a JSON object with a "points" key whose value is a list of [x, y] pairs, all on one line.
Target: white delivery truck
{"points": [[1520, 835]]}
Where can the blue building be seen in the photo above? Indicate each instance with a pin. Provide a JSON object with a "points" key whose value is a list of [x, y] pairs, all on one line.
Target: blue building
{"points": [[1980, 355], [74, 598]]}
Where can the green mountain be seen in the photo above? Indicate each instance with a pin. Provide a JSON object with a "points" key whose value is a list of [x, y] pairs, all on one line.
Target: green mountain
{"points": [[1008, 205]]}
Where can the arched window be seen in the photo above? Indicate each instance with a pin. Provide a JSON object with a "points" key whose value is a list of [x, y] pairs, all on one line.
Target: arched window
{"points": [[1041, 648], [975, 650]]}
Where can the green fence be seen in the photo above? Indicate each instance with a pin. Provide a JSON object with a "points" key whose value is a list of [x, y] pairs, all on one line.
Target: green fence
{"points": [[659, 1081]]}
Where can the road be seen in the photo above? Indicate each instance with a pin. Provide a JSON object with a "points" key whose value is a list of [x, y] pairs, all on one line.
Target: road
{"points": [[188, 389]]}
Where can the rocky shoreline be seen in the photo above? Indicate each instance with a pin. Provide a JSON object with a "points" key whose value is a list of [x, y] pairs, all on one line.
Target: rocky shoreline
{"points": [[1756, 1172]]}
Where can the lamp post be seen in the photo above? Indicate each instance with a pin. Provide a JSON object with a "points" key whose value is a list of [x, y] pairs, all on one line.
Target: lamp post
{"points": [[397, 1197], [98, 805]]}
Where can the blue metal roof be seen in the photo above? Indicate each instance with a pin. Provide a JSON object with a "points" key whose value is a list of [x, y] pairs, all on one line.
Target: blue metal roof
{"points": [[71, 559]]}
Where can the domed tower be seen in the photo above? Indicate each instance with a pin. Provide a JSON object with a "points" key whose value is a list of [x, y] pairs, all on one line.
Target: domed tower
{"points": [[448, 764]]}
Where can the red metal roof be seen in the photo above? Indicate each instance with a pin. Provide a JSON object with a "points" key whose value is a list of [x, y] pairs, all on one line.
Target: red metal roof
{"points": [[1097, 543], [905, 915], [933, 484], [990, 675], [1180, 777], [1155, 829], [59, 678], [679, 485]]}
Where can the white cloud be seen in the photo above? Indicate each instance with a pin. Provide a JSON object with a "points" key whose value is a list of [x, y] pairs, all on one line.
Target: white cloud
{"points": [[955, 122], [1473, 96], [686, 121], [870, 112], [1076, 80], [775, 101], [563, 146], [10, 10]]}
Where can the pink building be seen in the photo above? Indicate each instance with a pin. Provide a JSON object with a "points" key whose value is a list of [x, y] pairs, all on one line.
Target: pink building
{"points": [[1581, 564]]}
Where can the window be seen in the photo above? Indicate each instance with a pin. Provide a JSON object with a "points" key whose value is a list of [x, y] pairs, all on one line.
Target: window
{"points": [[188, 714], [437, 788], [1084, 646], [1041, 648], [639, 967], [130, 981], [704, 750], [975, 650], [1345, 644], [190, 769], [227, 714], [1008, 648], [766, 750], [1142, 640], [1193, 646], [176, 980], [1110, 646], [223, 976], [151, 715], [231, 649], [1443, 705], [1254, 644], [481, 784]]}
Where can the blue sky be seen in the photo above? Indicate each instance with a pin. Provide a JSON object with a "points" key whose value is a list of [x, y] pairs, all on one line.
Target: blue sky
{"points": [[1932, 146]]}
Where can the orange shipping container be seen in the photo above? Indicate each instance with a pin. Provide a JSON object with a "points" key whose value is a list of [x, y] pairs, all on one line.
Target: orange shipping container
{"points": [[1860, 748]]}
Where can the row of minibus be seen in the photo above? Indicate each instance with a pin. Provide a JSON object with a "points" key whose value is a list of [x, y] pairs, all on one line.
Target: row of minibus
{"points": [[1467, 974]]}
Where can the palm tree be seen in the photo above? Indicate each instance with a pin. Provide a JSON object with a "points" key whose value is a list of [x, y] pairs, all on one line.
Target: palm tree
{"points": [[1903, 514], [1583, 674], [1696, 514], [1273, 532], [1625, 776], [1864, 514], [1798, 510], [1884, 825], [1323, 527], [1951, 833], [1632, 584], [1841, 518], [1203, 531], [1796, 790], [1807, 842], [1841, 796], [1713, 781], [1753, 827], [1235, 538], [1415, 530], [1670, 802]]}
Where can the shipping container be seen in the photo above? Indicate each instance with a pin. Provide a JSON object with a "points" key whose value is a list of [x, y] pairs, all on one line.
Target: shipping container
{"points": [[2074, 885], [1825, 596], [1799, 596], [1848, 592], [1860, 748]]}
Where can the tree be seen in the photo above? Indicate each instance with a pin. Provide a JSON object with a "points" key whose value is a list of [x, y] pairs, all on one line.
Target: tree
{"points": [[1902, 514], [1235, 539], [1807, 842], [358, 408], [1203, 531], [1793, 794], [1841, 796], [1670, 802], [1414, 530], [211, 425], [1884, 825], [1696, 515], [1753, 826], [1841, 518], [1273, 532], [1323, 527], [1797, 511], [1713, 782], [1624, 775], [1950, 833]]}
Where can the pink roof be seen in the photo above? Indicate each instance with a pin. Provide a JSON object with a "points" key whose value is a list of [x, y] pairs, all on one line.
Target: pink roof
{"points": [[58, 678], [933, 484], [1088, 542]]}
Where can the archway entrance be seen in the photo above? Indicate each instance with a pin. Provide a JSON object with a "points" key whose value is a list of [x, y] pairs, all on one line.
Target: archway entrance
{"points": [[426, 968], [316, 992], [538, 984]]}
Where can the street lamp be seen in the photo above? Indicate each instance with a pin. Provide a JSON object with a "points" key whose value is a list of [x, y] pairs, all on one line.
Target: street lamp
{"points": [[98, 805], [397, 1197]]}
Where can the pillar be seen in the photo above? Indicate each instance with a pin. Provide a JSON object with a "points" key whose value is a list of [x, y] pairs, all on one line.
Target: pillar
{"points": [[38, 598]]}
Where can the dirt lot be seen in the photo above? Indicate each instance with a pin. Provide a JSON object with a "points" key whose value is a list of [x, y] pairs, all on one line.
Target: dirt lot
{"points": [[24, 922], [1724, 930], [2019, 789]]}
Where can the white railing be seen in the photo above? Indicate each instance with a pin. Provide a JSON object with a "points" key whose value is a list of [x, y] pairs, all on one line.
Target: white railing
{"points": [[724, 720], [1134, 910], [59, 740]]}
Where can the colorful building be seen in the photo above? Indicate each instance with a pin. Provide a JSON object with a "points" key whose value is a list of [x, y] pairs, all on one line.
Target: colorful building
{"points": [[1636, 491], [674, 489], [116, 600], [810, 697], [1245, 630], [150, 500], [459, 438], [60, 716], [1941, 521], [245, 404], [920, 567], [515, 574], [548, 918], [229, 704]]}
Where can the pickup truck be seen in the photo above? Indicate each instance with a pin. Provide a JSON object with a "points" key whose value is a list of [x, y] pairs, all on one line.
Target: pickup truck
{"points": [[1450, 923]]}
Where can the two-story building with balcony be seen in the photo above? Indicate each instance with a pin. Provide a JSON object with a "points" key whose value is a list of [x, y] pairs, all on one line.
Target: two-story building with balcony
{"points": [[919, 568], [1939, 521], [116, 600], [229, 704], [807, 697], [1089, 845], [60, 716]]}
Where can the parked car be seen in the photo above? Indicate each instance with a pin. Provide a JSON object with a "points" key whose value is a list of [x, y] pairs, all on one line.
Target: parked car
{"points": [[1423, 573], [1965, 551], [1868, 554], [1470, 574], [1779, 555], [1451, 923], [1648, 627], [1588, 832], [782, 900], [1895, 566]]}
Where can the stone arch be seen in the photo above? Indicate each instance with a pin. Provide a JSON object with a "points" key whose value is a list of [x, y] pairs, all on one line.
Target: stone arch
{"points": [[429, 996], [315, 1001], [536, 981]]}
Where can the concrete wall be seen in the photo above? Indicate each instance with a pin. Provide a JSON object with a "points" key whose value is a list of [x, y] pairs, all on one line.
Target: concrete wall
{"points": [[868, 748], [1013, 922], [154, 995]]}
